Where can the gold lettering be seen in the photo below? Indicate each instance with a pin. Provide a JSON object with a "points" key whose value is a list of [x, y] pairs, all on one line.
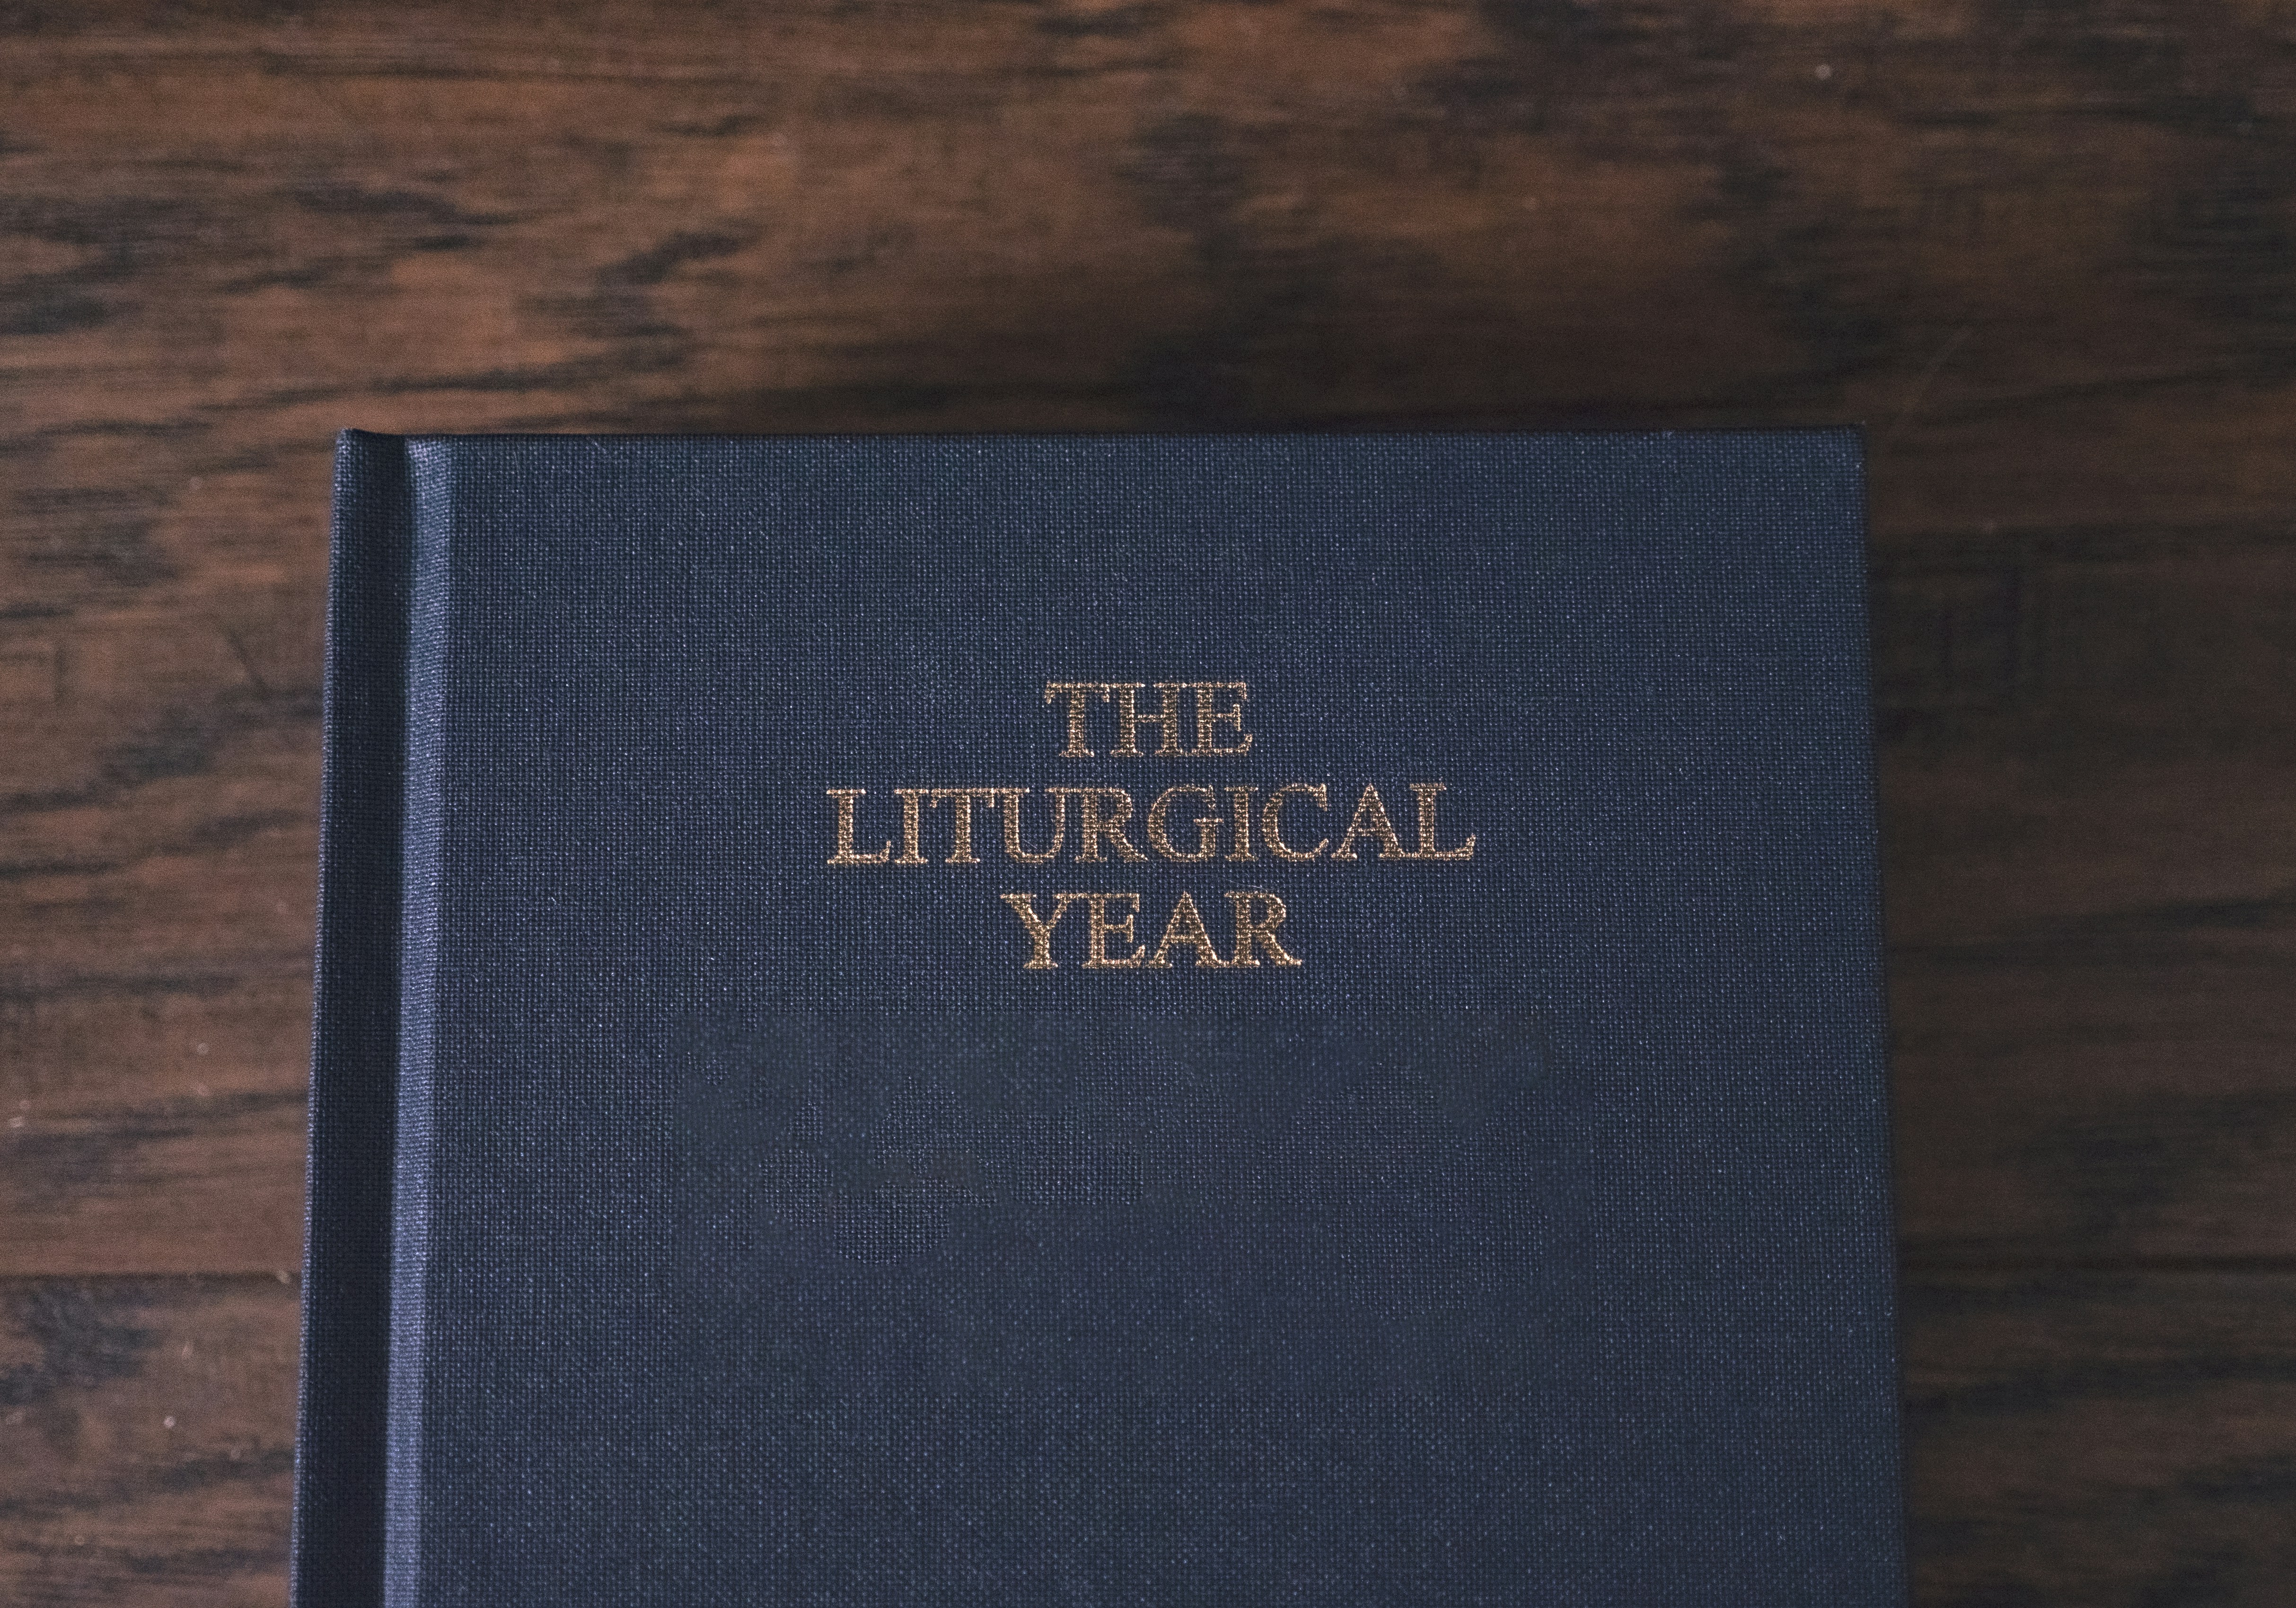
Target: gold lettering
{"points": [[1099, 930], [1258, 915], [1040, 931], [1210, 718], [1370, 821], [1186, 929], [960, 801], [1426, 792], [1076, 692], [912, 825], [1129, 719], [1207, 826], [1091, 827], [1241, 796], [1010, 798], [846, 855], [1271, 820]]}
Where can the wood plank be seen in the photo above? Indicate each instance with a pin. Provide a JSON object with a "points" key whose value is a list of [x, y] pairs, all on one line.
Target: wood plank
{"points": [[2090, 813], [2116, 1440], [832, 214], [157, 855], [2088, 1108], [146, 1440], [155, 1124]]}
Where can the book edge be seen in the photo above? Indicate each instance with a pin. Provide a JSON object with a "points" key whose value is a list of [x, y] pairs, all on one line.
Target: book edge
{"points": [[422, 890], [335, 1551]]}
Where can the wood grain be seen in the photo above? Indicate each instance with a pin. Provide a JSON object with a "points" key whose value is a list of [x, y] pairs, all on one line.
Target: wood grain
{"points": [[151, 1444], [2043, 251], [2113, 1440]]}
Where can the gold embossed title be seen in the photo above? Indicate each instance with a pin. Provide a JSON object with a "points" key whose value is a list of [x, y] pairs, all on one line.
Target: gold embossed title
{"points": [[1188, 823]]}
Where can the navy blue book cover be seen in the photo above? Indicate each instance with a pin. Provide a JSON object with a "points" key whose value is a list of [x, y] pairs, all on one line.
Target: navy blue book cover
{"points": [[995, 1021]]}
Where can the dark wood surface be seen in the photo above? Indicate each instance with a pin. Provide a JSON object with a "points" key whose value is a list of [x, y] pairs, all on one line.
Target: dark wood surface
{"points": [[2046, 251]]}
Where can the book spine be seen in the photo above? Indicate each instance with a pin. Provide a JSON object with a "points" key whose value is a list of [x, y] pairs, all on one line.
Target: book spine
{"points": [[340, 1439], [430, 599]]}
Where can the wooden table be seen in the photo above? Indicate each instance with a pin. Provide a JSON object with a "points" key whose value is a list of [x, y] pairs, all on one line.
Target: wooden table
{"points": [[2046, 251]]}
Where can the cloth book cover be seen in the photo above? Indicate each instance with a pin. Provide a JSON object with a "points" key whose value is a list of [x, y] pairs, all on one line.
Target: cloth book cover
{"points": [[1247, 1020]]}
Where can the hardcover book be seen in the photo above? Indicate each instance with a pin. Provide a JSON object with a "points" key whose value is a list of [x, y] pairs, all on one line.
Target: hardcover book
{"points": [[1193, 1019]]}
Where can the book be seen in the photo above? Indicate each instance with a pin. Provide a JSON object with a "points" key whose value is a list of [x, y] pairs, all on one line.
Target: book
{"points": [[1181, 1020]]}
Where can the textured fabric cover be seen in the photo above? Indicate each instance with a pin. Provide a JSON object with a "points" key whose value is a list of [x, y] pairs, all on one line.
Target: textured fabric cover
{"points": [[697, 1221]]}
